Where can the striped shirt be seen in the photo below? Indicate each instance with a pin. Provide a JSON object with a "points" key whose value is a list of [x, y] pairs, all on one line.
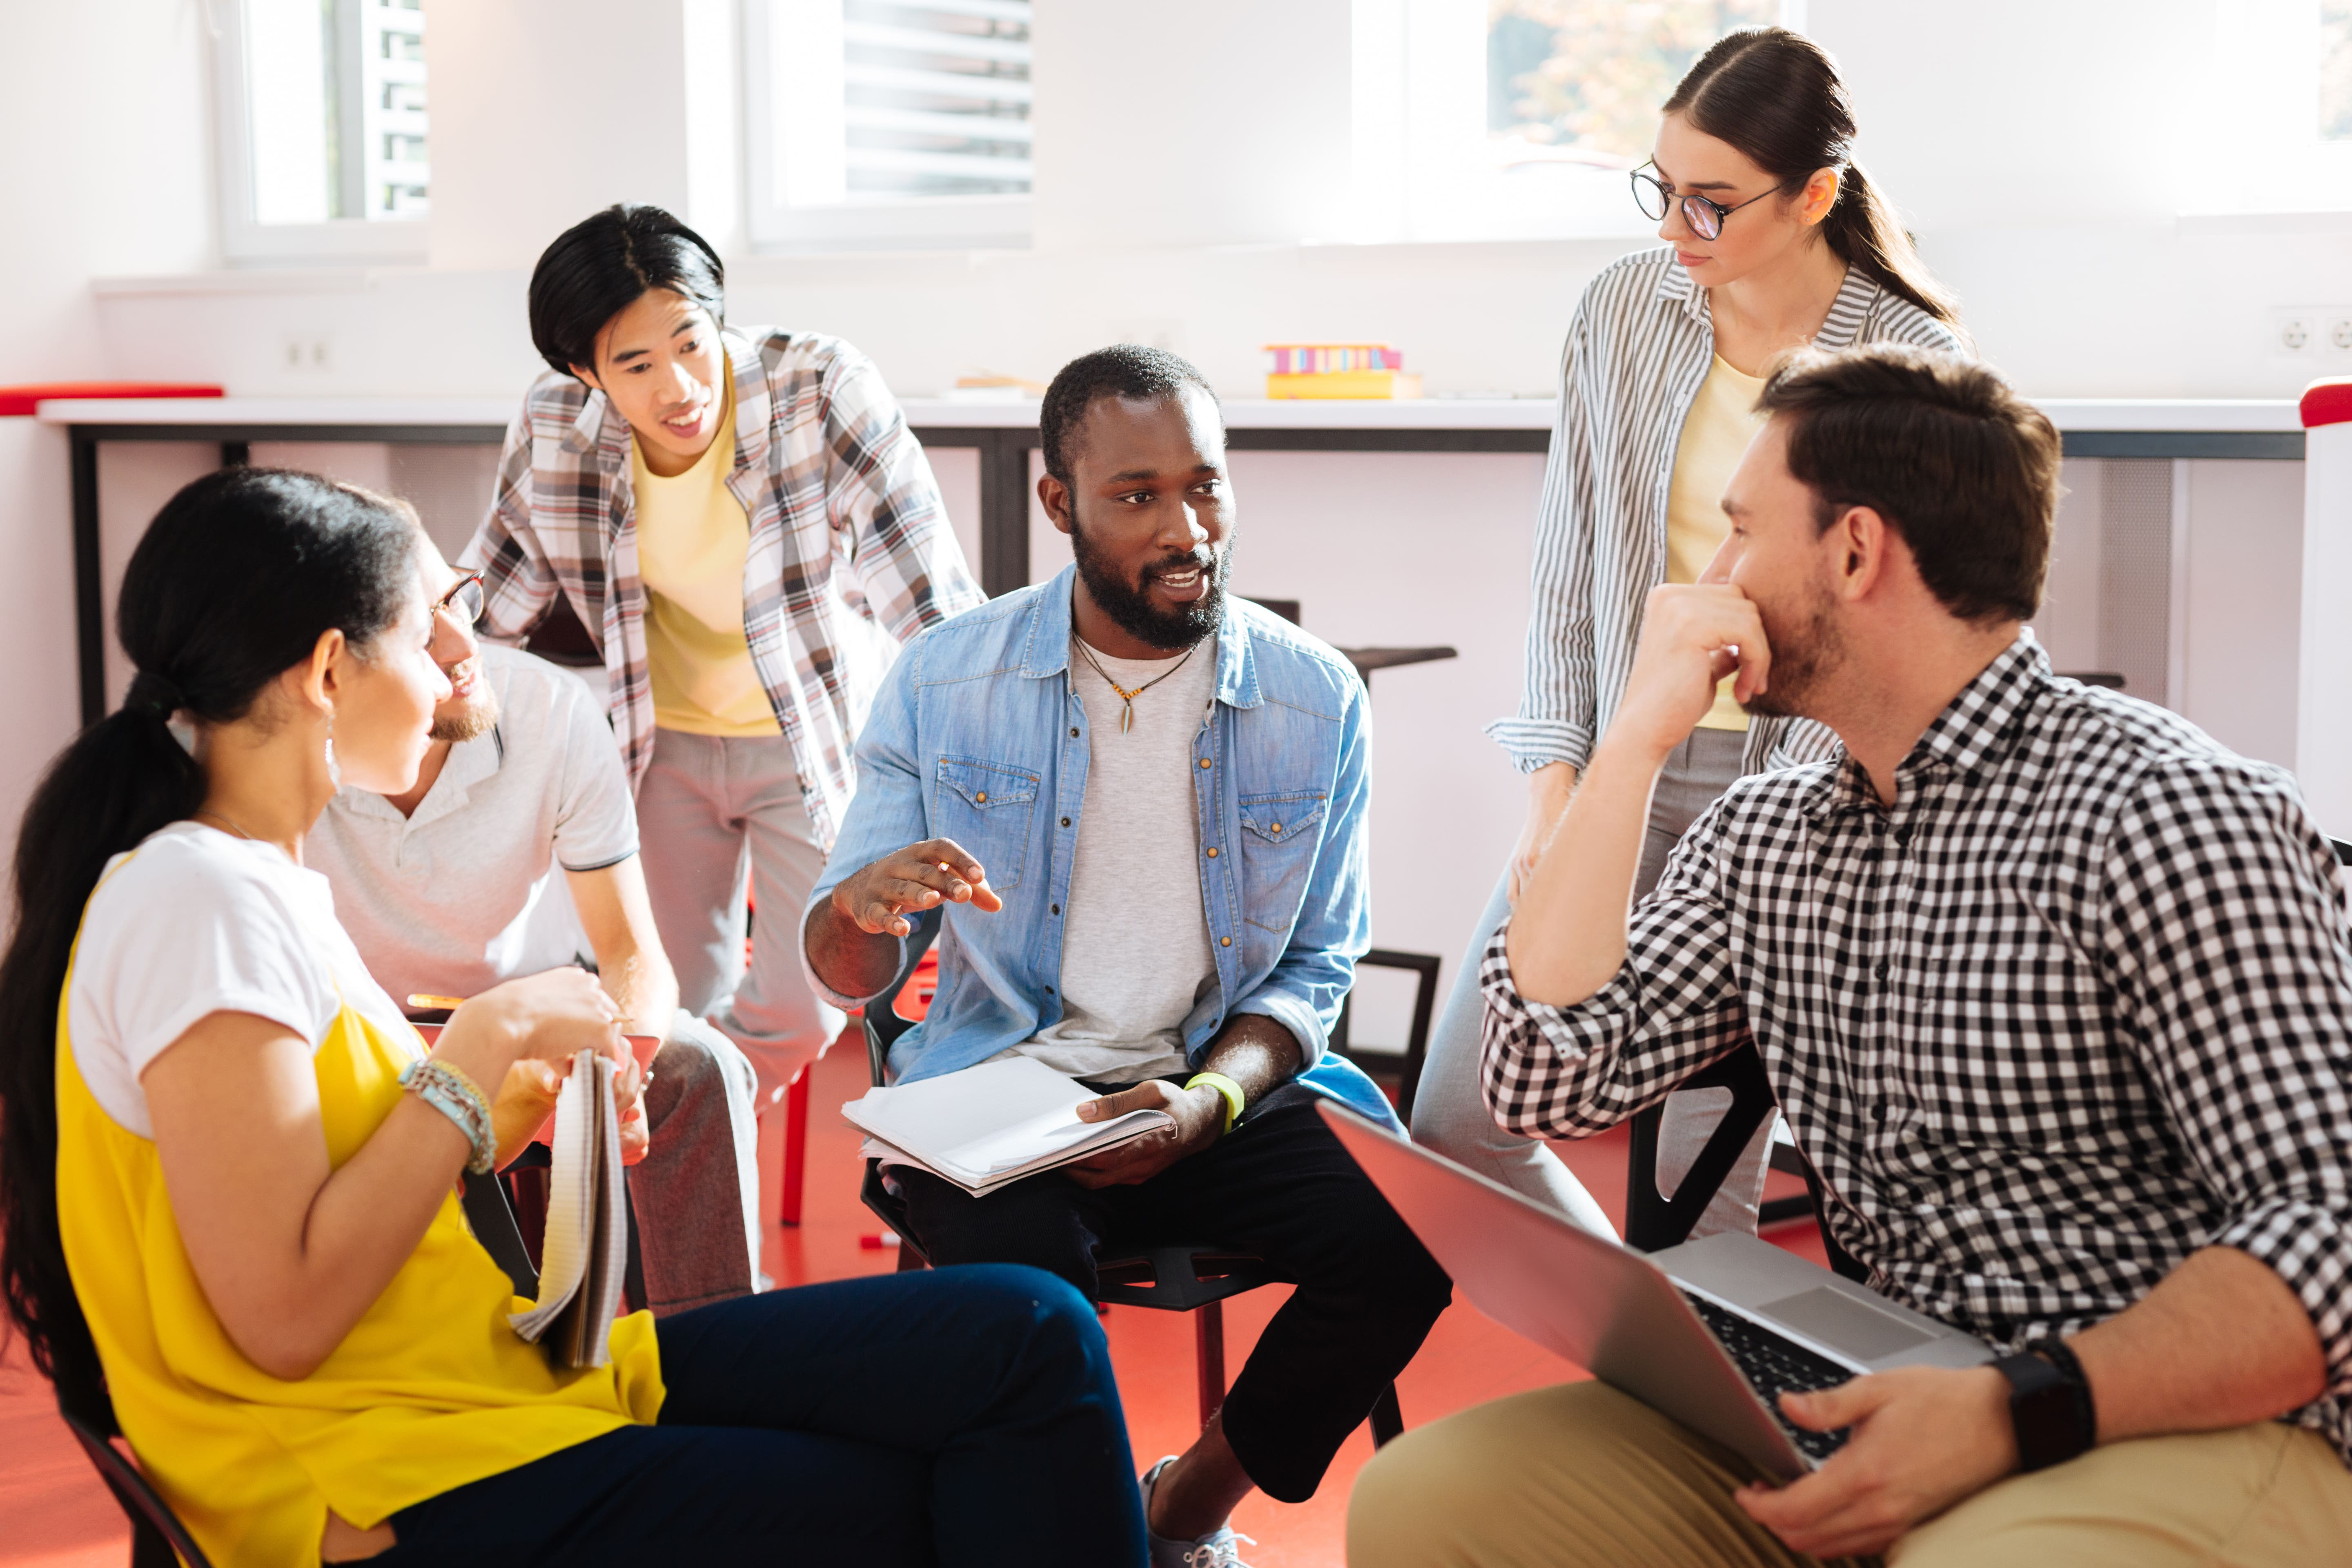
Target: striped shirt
{"points": [[1637, 352], [847, 535], [2078, 1004]]}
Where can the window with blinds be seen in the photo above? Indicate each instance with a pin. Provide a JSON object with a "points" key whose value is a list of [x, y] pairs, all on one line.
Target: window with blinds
{"points": [[322, 117], [889, 121]]}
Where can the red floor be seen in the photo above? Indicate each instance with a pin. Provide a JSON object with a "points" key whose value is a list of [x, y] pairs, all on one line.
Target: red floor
{"points": [[54, 1513]]}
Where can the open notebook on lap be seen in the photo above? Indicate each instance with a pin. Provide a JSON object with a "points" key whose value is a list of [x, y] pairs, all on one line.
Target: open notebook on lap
{"points": [[1710, 1332]]}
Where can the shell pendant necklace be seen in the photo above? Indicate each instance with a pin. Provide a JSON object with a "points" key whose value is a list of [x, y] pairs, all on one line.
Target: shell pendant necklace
{"points": [[1127, 699]]}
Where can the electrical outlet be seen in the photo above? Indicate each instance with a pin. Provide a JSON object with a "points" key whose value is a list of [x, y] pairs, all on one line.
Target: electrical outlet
{"points": [[307, 353], [2292, 335], [2339, 335]]}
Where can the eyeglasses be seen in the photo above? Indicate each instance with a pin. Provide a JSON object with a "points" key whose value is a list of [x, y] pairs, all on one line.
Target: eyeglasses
{"points": [[1654, 195], [463, 602]]}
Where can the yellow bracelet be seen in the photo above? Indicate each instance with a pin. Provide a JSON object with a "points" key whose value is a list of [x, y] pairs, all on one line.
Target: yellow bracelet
{"points": [[1230, 1091]]}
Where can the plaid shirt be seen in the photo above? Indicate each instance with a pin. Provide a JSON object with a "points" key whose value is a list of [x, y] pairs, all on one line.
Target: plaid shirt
{"points": [[848, 534], [2073, 1007]]}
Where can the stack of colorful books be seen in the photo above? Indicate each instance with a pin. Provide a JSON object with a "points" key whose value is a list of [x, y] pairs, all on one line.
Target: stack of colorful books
{"points": [[1338, 370]]}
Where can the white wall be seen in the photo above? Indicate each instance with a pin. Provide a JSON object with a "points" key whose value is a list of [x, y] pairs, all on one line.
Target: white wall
{"points": [[2034, 147], [104, 113]]}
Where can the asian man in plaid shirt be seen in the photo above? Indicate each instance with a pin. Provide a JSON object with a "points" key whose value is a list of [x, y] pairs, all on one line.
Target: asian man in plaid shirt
{"points": [[2054, 992]]}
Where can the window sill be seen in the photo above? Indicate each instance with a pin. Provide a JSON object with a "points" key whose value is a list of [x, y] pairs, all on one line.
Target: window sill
{"points": [[2228, 223], [327, 279]]}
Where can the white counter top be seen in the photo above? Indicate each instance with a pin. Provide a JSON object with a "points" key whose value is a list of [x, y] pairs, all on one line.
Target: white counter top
{"points": [[1241, 414], [457, 411]]}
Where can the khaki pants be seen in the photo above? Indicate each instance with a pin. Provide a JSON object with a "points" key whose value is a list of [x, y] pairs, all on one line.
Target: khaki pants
{"points": [[1583, 1474]]}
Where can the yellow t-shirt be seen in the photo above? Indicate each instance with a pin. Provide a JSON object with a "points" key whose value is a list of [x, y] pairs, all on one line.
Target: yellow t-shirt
{"points": [[429, 1391], [1716, 434], [692, 538]]}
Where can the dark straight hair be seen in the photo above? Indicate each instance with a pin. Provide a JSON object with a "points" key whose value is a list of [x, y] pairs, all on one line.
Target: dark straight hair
{"points": [[599, 267], [236, 581], [1775, 95]]}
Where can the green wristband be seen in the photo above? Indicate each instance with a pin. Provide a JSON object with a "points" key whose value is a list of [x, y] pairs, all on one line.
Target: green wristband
{"points": [[1231, 1091]]}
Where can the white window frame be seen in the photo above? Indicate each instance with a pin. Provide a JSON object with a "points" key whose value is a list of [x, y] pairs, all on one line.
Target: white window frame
{"points": [[2260, 85], [243, 239], [774, 31], [1421, 87]]}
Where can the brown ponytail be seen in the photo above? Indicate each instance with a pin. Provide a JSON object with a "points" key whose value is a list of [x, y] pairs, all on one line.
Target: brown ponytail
{"points": [[1775, 95]]}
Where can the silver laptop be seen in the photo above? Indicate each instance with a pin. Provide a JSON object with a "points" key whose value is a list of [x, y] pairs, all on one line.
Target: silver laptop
{"points": [[1710, 1332]]}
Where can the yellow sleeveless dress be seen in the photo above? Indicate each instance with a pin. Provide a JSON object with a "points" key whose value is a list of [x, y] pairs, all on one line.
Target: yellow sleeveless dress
{"points": [[429, 1391]]}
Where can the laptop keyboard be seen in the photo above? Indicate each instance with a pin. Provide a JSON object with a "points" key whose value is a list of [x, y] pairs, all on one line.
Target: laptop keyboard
{"points": [[1775, 1365]]}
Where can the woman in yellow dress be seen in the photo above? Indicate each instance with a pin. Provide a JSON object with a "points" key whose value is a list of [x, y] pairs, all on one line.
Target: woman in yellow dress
{"points": [[230, 1163]]}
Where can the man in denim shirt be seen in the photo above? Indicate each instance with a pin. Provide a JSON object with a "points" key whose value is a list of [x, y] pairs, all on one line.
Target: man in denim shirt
{"points": [[1139, 804]]}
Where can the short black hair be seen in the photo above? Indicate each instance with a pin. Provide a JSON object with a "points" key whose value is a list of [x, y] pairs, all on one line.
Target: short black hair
{"points": [[600, 267], [1945, 450], [1122, 370]]}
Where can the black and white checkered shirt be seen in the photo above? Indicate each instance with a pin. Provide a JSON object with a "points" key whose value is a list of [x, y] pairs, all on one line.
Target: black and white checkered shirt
{"points": [[2073, 1007]]}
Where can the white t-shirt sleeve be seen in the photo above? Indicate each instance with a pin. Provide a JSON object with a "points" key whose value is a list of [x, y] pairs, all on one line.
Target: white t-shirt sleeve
{"points": [[185, 928], [595, 820]]}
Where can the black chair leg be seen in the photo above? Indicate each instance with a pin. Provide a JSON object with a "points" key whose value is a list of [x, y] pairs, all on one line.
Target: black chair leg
{"points": [[1388, 1418], [149, 1547], [1209, 1357]]}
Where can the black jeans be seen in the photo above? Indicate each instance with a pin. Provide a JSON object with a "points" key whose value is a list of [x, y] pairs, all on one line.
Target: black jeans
{"points": [[966, 1418], [1280, 1185]]}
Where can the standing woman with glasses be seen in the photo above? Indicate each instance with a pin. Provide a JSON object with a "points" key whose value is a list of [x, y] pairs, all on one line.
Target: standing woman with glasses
{"points": [[1775, 240]]}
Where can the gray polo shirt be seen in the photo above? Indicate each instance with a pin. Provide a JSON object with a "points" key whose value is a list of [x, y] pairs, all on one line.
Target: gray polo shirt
{"points": [[459, 896]]}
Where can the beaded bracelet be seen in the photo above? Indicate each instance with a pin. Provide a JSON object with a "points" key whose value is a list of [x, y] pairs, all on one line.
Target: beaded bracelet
{"points": [[450, 1092]]}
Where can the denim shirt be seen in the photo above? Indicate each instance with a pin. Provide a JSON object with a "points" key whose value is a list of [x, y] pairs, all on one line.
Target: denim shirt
{"points": [[977, 736]]}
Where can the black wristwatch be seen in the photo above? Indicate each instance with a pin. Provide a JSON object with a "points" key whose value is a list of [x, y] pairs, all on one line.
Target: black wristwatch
{"points": [[2049, 1404]]}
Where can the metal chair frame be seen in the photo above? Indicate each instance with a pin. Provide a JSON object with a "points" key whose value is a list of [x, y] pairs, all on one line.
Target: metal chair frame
{"points": [[1169, 1279]]}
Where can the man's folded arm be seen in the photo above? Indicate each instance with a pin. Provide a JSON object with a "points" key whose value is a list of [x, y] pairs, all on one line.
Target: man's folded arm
{"points": [[1671, 1009], [2234, 979]]}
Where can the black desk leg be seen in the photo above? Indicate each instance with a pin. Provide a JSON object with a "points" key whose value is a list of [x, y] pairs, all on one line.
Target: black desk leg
{"points": [[1004, 510], [90, 599]]}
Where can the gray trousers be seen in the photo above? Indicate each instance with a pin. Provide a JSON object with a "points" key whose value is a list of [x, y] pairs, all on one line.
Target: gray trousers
{"points": [[717, 818], [696, 1190], [1449, 1115]]}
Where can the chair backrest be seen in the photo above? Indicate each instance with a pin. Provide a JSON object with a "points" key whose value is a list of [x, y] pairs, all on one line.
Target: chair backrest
{"points": [[883, 1024]]}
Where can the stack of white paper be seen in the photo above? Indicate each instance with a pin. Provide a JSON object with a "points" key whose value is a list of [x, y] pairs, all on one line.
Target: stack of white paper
{"points": [[586, 1254], [990, 1124]]}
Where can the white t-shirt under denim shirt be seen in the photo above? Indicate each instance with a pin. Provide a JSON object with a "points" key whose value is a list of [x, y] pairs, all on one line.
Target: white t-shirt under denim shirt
{"points": [[1135, 946], [451, 899], [196, 921]]}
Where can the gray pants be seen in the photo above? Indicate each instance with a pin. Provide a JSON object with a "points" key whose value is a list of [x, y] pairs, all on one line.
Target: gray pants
{"points": [[1449, 1115], [696, 1190], [719, 816]]}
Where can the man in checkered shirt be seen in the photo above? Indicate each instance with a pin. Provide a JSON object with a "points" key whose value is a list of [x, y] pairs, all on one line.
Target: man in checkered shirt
{"points": [[2054, 991]]}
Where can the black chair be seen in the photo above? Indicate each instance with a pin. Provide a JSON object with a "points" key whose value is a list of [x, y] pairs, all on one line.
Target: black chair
{"points": [[1654, 1220], [1400, 1075], [158, 1539], [1178, 1279]]}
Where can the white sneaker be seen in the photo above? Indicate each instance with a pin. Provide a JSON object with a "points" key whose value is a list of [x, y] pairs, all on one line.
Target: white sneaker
{"points": [[1215, 1550]]}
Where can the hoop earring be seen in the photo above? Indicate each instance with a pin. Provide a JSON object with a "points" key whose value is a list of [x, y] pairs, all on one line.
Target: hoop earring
{"points": [[334, 773]]}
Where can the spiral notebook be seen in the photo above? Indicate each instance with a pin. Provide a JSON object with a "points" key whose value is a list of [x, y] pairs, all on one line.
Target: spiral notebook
{"points": [[585, 1255]]}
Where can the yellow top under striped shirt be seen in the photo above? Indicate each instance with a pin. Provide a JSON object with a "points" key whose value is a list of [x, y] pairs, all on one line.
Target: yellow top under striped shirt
{"points": [[1716, 434]]}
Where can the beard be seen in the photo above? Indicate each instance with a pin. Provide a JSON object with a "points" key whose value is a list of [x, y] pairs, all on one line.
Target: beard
{"points": [[1130, 605], [1806, 650], [464, 723]]}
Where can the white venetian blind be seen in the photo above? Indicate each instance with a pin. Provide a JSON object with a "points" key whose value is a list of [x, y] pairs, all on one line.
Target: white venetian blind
{"points": [[935, 97]]}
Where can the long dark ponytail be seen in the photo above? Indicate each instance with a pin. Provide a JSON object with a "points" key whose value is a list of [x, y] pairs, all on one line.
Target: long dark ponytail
{"points": [[233, 583], [1775, 96]]}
